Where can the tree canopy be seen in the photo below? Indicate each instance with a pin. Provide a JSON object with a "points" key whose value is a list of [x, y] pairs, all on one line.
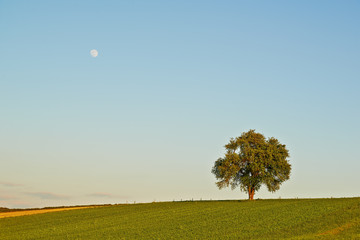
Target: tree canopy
{"points": [[250, 161]]}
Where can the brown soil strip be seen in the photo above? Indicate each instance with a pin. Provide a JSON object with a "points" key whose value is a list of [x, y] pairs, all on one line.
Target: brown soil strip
{"points": [[338, 230], [38, 211]]}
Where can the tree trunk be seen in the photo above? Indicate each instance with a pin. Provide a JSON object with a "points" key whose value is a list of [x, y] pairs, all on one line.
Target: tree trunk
{"points": [[251, 193]]}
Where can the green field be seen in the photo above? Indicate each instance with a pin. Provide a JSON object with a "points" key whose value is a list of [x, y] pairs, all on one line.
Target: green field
{"points": [[261, 219]]}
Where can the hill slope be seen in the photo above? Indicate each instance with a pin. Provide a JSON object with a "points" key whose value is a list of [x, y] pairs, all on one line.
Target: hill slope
{"points": [[262, 219]]}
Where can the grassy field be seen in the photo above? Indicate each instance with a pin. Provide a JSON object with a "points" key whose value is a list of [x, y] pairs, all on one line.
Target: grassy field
{"points": [[261, 219]]}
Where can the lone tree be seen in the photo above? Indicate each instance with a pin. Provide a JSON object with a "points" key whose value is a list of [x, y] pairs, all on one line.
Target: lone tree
{"points": [[250, 161]]}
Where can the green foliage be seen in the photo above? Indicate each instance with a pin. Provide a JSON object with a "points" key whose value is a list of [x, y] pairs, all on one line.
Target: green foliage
{"points": [[2, 209], [262, 219], [250, 161]]}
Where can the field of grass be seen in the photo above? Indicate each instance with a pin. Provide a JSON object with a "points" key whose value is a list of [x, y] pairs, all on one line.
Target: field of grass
{"points": [[261, 219]]}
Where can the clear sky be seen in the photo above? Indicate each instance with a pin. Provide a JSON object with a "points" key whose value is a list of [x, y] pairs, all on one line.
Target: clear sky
{"points": [[173, 82]]}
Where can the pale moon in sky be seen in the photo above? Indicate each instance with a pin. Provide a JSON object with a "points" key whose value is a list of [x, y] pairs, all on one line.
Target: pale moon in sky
{"points": [[94, 53]]}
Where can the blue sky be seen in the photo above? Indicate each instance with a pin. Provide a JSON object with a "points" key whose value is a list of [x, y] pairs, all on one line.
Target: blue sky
{"points": [[173, 82]]}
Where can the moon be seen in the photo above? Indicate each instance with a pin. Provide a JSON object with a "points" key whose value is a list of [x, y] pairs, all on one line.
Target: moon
{"points": [[94, 53]]}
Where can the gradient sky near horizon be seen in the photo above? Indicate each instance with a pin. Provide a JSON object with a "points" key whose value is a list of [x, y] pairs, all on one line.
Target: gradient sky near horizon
{"points": [[173, 82]]}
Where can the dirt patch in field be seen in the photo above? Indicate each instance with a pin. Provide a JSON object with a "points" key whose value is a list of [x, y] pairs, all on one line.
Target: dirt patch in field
{"points": [[338, 230], [37, 211]]}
